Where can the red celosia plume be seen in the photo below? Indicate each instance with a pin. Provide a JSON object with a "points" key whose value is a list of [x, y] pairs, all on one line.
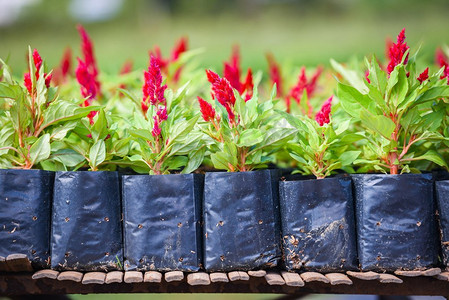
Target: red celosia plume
{"points": [[127, 67], [275, 74], [302, 85], [443, 63], [323, 116], [37, 60], [232, 72], [397, 52], [180, 47], [207, 111], [64, 69], [222, 91], [88, 86], [88, 56], [153, 90], [423, 76]]}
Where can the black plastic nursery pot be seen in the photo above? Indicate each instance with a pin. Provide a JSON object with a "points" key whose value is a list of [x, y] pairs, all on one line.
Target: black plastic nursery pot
{"points": [[396, 224], [318, 226], [86, 223], [162, 222], [25, 197], [442, 195], [241, 220]]}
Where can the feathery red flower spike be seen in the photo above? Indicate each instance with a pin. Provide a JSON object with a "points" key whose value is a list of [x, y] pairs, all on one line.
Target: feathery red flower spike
{"points": [[397, 51], [37, 60], [323, 116]]}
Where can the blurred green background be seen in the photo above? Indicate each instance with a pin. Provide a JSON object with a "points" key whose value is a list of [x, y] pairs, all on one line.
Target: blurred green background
{"points": [[302, 32]]}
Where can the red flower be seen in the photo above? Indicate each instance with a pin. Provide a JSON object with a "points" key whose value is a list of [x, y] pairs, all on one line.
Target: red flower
{"points": [[443, 63], [322, 117], [275, 74], [232, 71], [66, 63], [366, 76], [248, 86], [397, 52], [127, 67], [309, 86], [88, 54], [223, 92], [207, 111], [423, 76], [86, 81], [153, 90], [37, 60], [162, 113], [180, 47], [162, 63], [156, 127]]}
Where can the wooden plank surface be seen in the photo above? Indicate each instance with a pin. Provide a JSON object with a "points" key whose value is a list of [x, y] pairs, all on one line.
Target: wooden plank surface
{"points": [[18, 263], [22, 283]]}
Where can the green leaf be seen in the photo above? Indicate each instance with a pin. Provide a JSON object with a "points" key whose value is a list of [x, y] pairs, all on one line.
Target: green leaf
{"points": [[348, 157], [351, 77], [61, 110], [59, 132], [250, 137], [275, 138], [434, 93], [99, 130], [352, 100], [432, 156], [401, 88], [40, 150], [67, 157], [195, 160], [97, 154], [379, 123]]}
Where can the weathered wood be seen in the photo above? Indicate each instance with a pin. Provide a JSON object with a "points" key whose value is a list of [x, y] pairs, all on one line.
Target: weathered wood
{"points": [[443, 276], [258, 273], [388, 278], [292, 279], [174, 276], [274, 278], [314, 276], [152, 276], [198, 278], [71, 276], [432, 272], [218, 277], [238, 275], [15, 284], [3, 265], [18, 263], [338, 278], [414, 273], [47, 273], [364, 275], [133, 277], [94, 278], [114, 277]]}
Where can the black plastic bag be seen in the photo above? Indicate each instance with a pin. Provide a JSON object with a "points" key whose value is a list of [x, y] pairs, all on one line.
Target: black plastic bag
{"points": [[162, 222], [25, 214], [442, 193], [318, 226], [241, 220], [395, 217], [86, 223]]}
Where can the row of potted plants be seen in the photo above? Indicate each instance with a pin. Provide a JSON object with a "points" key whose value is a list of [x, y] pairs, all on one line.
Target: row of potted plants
{"points": [[394, 120]]}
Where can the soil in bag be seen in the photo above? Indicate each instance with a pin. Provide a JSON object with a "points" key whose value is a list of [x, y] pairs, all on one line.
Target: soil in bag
{"points": [[162, 216], [395, 220], [86, 224], [318, 226], [25, 197], [241, 220]]}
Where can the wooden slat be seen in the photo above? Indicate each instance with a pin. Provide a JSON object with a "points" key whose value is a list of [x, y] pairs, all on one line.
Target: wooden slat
{"points": [[338, 278], [218, 277], [388, 278], [94, 278], [364, 275], [114, 277], [274, 278], [414, 273], [174, 276], [292, 279], [3, 265], [238, 275], [133, 277], [443, 276], [51, 274], [314, 276], [18, 263], [70, 275], [198, 278], [432, 272], [258, 273], [152, 276]]}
